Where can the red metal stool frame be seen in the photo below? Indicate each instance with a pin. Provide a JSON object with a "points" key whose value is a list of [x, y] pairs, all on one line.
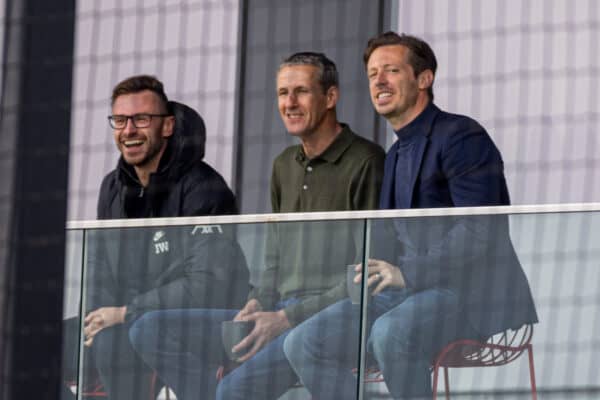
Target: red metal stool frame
{"points": [[498, 350]]}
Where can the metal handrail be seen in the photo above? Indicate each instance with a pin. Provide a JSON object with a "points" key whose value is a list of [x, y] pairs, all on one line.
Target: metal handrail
{"points": [[333, 216]]}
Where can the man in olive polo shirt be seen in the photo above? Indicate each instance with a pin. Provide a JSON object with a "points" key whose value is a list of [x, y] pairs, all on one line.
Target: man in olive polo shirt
{"points": [[332, 169]]}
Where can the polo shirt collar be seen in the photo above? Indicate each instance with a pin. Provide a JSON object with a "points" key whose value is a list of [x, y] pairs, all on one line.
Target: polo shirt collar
{"points": [[335, 149]]}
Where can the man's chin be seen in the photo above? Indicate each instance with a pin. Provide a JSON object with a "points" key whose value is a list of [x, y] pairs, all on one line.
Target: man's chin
{"points": [[135, 161], [296, 132]]}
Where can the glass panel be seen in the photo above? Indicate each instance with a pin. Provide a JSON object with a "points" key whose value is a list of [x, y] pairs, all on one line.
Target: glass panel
{"points": [[156, 299], [72, 298], [477, 278]]}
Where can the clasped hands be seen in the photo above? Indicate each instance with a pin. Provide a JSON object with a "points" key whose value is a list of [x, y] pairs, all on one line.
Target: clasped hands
{"points": [[381, 274]]}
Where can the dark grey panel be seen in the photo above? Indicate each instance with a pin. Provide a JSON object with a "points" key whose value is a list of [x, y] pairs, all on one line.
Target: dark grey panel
{"points": [[274, 30], [35, 119]]}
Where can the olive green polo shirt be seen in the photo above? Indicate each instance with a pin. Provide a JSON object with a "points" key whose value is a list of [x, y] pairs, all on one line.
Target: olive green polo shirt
{"points": [[307, 260], [346, 176]]}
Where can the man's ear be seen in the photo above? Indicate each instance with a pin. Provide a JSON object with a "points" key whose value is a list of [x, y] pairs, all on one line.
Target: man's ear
{"points": [[333, 94], [425, 79], [168, 126]]}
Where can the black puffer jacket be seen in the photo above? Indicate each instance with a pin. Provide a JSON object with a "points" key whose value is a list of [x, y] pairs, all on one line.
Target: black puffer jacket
{"points": [[184, 185], [167, 267]]}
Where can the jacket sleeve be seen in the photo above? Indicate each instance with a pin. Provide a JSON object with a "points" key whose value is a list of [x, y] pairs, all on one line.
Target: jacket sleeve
{"points": [[473, 169], [298, 312], [443, 263]]}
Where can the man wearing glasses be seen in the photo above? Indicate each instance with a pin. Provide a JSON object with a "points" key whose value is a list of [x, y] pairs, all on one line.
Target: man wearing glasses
{"points": [[160, 174]]}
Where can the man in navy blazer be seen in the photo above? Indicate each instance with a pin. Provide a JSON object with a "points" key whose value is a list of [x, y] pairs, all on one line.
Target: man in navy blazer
{"points": [[435, 279]]}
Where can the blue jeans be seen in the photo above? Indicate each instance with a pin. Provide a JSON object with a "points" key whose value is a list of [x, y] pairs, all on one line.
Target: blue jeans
{"points": [[122, 372], [185, 348], [406, 330], [266, 376]]}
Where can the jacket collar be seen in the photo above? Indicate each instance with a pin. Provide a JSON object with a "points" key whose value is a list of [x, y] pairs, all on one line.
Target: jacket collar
{"points": [[421, 125], [418, 130]]}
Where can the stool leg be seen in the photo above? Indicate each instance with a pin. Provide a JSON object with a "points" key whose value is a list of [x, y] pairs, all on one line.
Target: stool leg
{"points": [[435, 380], [447, 383], [532, 372]]}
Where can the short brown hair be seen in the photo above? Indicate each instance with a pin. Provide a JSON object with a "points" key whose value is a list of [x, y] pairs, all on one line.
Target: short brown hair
{"points": [[420, 56], [139, 83]]}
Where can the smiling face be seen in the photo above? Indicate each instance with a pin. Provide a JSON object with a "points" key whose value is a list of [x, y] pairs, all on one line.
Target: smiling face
{"points": [[302, 103], [396, 93], [142, 147]]}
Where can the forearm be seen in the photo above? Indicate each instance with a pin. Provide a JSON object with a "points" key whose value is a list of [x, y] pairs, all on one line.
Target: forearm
{"points": [[298, 312]]}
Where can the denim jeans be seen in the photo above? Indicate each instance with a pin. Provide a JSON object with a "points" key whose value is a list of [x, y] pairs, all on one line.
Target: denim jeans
{"points": [[123, 374], [185, 348], [406, 330]]}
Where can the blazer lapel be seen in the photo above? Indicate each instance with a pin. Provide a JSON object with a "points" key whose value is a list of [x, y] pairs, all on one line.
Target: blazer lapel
{"points": [[417, 161], [421, 145]]}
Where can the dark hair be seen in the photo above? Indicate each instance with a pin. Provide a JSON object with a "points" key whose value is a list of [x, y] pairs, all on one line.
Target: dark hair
{"points": [[420, 55], [328, 75], [139, 83]]}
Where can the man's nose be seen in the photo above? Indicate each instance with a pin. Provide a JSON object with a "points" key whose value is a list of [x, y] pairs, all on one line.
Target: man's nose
{"points": [[380, 78], [129, 126], [291, 100]]}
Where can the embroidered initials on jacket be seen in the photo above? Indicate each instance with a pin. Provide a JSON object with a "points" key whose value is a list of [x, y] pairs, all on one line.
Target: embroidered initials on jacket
{"points": [[160, 247]]}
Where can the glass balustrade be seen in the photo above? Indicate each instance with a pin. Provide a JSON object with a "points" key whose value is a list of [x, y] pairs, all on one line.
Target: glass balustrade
{"points": [[152, 307]]}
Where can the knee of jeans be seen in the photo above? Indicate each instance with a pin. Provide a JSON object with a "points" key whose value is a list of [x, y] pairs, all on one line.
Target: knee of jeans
{"points": [[386, 335], [141, 330], [292, 346], [224, 390]]}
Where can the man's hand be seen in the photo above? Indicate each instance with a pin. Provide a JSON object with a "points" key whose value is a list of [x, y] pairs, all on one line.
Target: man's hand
{"points": [[381, 274], [101, 318], [267, 326], [251, 307]]}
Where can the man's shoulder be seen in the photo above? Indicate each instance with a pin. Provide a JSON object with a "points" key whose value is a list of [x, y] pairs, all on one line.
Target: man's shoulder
{"points": [[287, 155], [206, 192], [363, 149], [202, 173], [448, 123], [110, 179], [289, 152], [362, 145], [109, 189]]}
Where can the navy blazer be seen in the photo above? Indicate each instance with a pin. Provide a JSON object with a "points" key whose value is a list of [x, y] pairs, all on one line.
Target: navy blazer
{"points": [[456, 164]]}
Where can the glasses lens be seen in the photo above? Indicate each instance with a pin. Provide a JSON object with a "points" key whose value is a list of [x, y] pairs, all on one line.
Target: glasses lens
{"points": [[117, 121], [141, 120]]}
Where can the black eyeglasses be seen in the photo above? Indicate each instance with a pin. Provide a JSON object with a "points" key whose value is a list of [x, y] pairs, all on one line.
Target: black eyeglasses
{"points": [[138, 120]]}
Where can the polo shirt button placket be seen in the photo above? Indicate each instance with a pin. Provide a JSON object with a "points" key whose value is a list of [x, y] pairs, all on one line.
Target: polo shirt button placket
{"points": [[308, 170]]}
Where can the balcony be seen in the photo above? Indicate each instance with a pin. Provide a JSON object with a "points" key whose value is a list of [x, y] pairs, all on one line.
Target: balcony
{"points": [[205, 266]]}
